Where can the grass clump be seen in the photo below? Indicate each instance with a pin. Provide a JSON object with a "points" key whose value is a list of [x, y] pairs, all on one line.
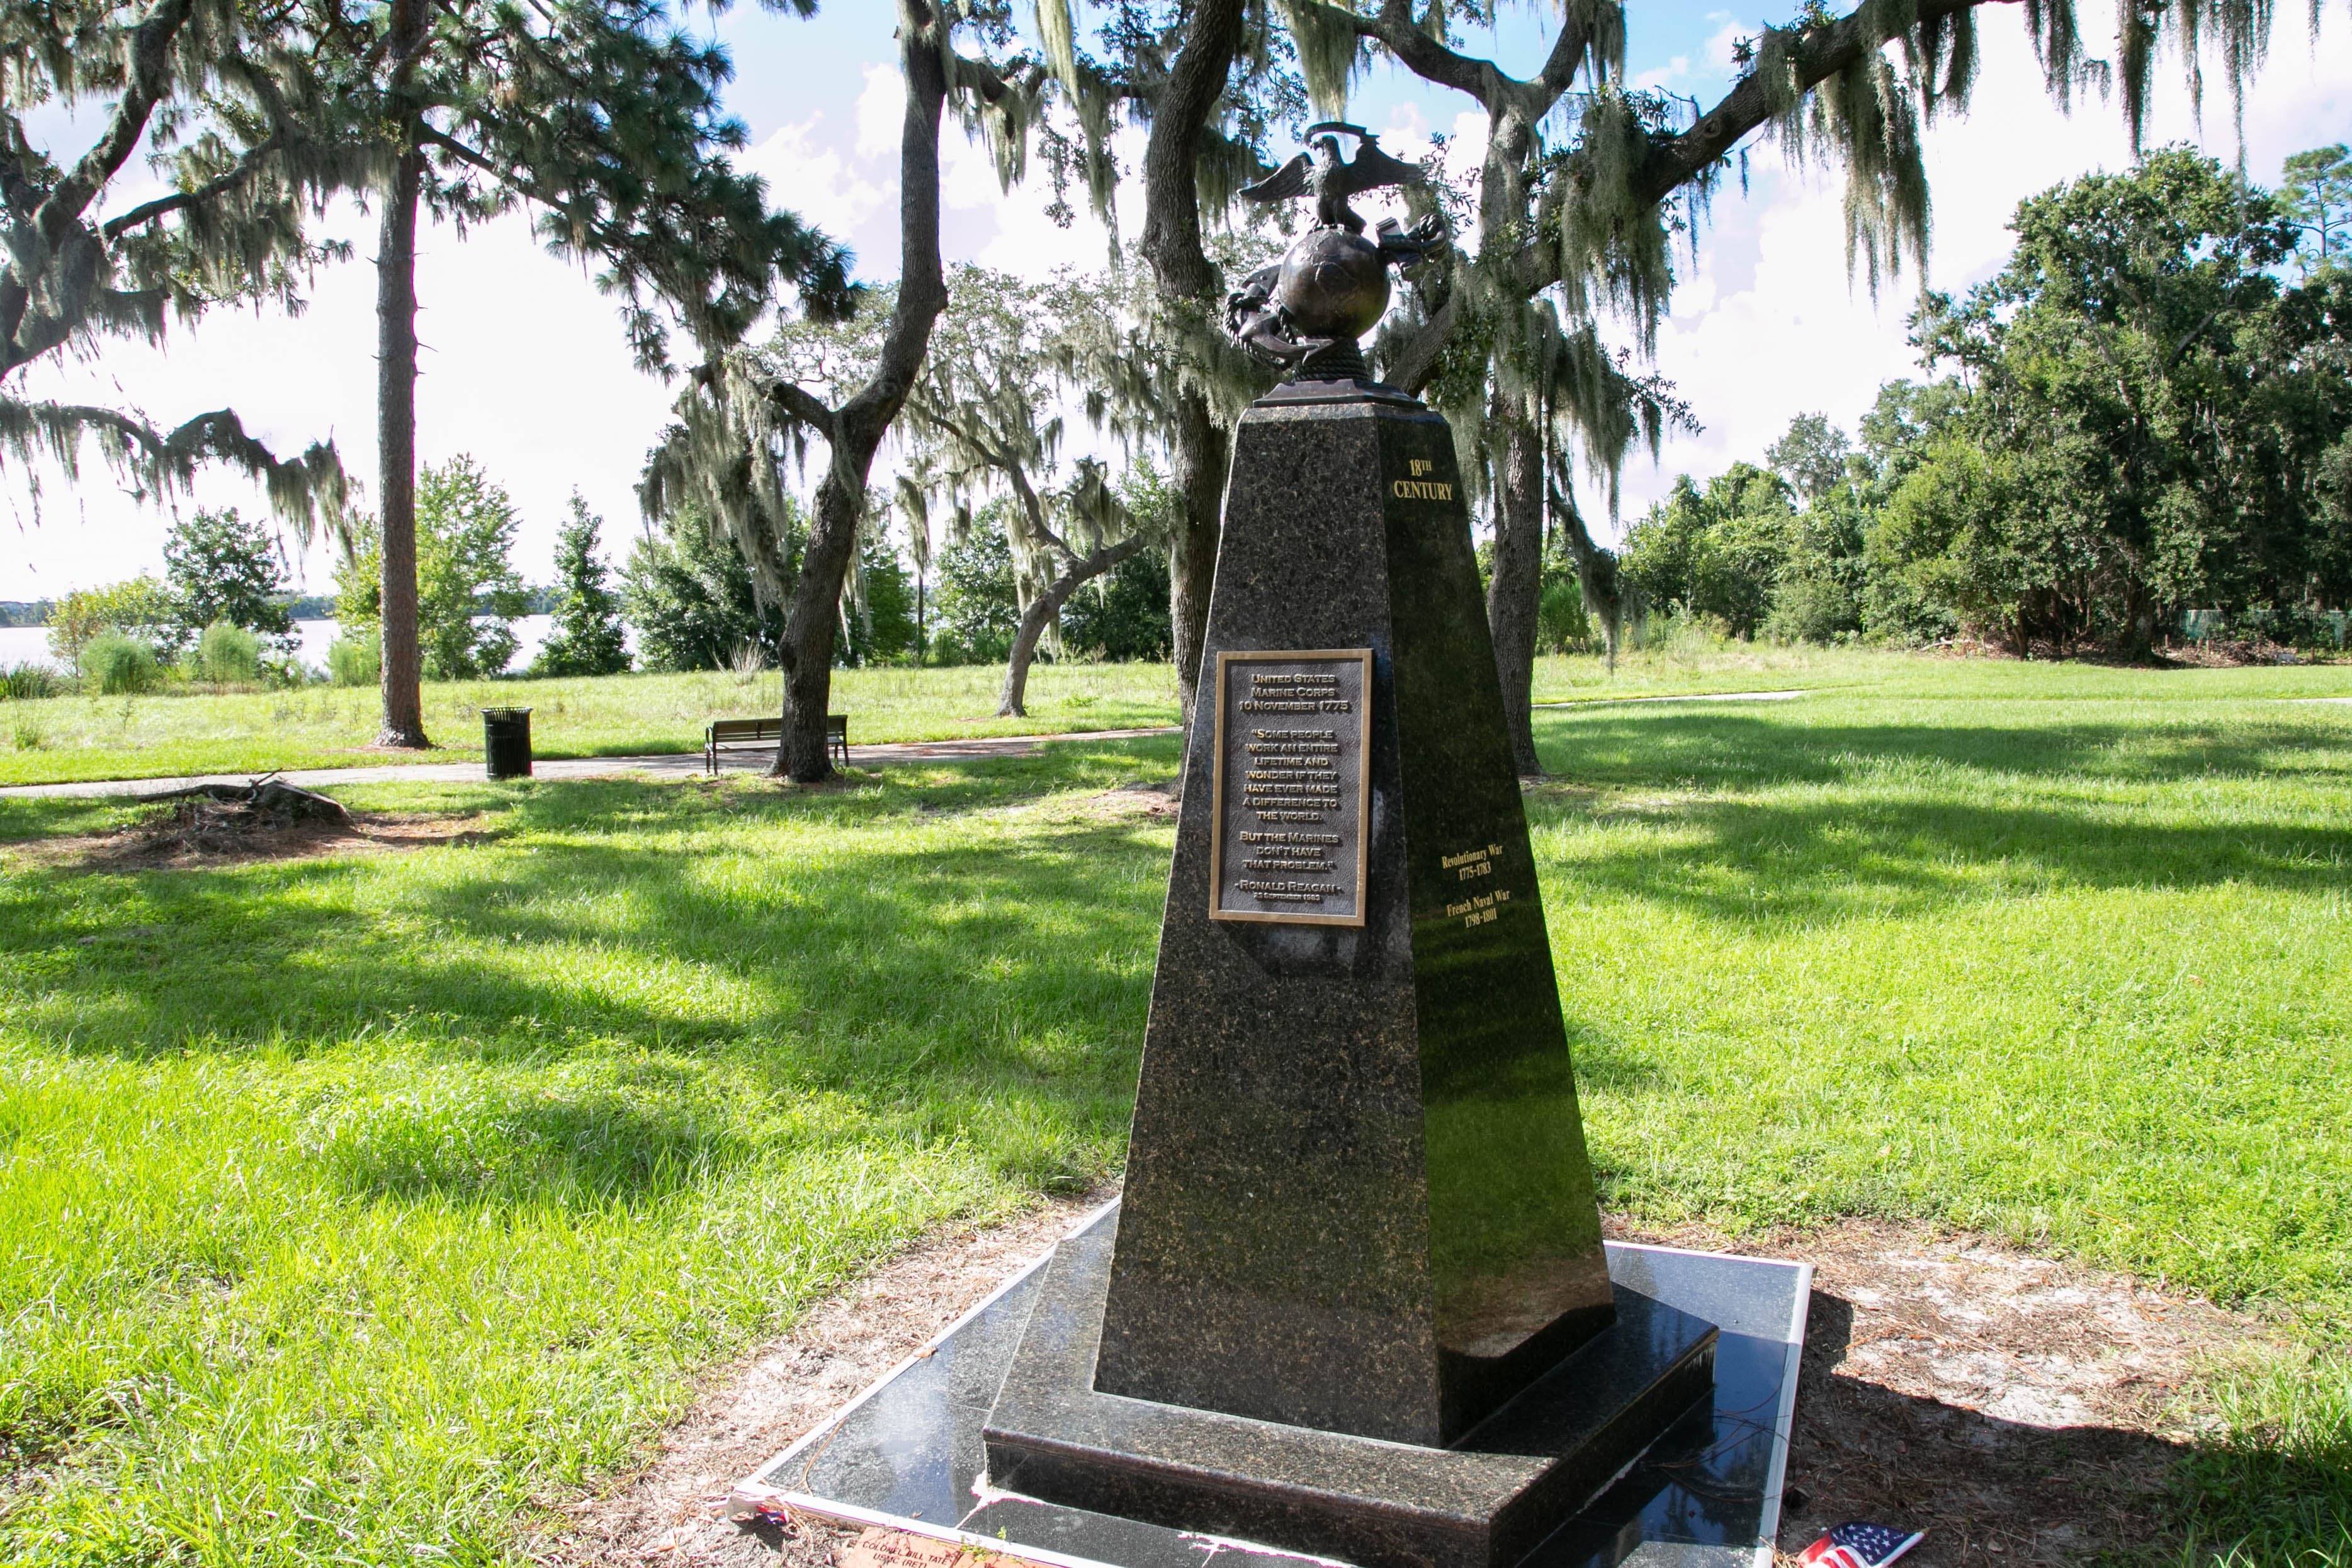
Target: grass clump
{"points": [[355, 661], [27, 681], [227, 655], [117, 665], [334, 726]]}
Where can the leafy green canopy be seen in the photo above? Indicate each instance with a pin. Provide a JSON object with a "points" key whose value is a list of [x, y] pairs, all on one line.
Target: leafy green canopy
{"points": [[222, 568], [690, 595], [2157, 421], [978, 606], [2148, 421], [468, 593]]}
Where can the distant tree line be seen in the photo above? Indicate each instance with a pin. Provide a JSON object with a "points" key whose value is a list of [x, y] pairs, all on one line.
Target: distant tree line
{"points": [[2146, 415]]}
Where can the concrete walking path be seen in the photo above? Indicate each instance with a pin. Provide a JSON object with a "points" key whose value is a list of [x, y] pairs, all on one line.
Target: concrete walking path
{"points": [[669, 764], [1685, 697]]}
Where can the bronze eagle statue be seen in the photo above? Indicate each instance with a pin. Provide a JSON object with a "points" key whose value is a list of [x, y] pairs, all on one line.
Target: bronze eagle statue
{"points": [[1321, 172]]}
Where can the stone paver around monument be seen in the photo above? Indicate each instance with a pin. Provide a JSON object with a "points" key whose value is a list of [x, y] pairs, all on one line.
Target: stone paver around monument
{"points": [[672, 764], [2018, 1408]]}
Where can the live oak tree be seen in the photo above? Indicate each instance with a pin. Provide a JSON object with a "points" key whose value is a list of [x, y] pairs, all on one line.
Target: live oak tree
{"points": [[1211, 80], [977, 421], [243, 140], [746, 411], [1587, 179]]}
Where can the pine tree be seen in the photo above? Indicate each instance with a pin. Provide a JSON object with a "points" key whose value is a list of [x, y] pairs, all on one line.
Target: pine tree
{"points": [[605, 116], [586, 639]]}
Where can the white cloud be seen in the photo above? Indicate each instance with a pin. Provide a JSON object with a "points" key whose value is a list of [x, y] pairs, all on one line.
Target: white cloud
{"points": [[808, 175], [1674, 70], [1725, 39], [880, 110]]}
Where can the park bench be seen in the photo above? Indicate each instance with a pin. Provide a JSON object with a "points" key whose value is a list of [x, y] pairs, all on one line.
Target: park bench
{"points": [[726, 732]]}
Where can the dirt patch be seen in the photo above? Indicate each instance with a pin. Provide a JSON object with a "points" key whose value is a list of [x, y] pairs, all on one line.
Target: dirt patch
{"points": [[1140, 799], [2019, 1409], [753, 1410], [222, 826]]}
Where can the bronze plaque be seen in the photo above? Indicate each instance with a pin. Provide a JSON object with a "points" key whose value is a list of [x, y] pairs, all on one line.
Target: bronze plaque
{"points": [[1292, 794]]}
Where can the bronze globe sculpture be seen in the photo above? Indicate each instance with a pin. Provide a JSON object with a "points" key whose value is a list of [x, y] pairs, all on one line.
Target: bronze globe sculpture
{"points": [[1303, 314], [1333, 284]]}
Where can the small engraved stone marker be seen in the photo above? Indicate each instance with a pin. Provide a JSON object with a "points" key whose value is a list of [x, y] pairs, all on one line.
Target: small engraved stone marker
{"points": [[1290, 790]]}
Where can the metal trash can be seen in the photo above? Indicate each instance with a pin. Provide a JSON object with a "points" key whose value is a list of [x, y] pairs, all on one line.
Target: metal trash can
{"points": [[506, 742]]}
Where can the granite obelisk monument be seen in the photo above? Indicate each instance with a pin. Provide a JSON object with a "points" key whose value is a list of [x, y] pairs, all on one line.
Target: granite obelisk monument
{"points": [[1357, 1303]]}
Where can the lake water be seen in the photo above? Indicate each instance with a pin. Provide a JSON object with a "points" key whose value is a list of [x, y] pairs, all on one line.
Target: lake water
{"points": [[30, 644]]}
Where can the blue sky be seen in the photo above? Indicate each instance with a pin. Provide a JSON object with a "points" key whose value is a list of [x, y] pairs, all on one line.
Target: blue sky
{"points": [[524, 365]]}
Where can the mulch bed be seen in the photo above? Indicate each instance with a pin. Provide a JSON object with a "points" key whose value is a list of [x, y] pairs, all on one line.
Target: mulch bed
{"points": [[2019, 1409], [214, 825]]}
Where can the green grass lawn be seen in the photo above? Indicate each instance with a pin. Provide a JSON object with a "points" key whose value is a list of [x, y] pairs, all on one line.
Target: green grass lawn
{"points": [[64, 738], [60, 739], [352, 1204]]}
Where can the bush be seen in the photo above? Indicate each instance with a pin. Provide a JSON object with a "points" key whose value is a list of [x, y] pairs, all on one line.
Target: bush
{"points": [[141, 607], [1122, 616], [1561, 625], [689, 596], [119, 666], [355, 661], [227, 654], [28, 681], [979, 606]]}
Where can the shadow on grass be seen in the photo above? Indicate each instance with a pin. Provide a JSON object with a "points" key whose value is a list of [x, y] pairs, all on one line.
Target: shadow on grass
{"points": [[1731, 751], [821, 943], [1740, 852]]}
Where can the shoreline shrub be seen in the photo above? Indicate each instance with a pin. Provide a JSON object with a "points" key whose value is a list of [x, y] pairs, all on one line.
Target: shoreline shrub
{"points": [[227, 655], [120, 665]]}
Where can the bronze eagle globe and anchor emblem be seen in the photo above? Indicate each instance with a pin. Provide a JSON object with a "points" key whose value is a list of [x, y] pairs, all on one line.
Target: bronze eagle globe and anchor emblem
{"points": [[1303, 314]]}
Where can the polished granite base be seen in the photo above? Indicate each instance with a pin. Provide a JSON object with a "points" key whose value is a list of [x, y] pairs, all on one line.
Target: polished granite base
{"points": [[1484, 1502], [909, 1453]]}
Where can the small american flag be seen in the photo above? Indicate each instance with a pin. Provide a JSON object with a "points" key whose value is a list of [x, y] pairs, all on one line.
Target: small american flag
{"points": [[1859, 1545]]}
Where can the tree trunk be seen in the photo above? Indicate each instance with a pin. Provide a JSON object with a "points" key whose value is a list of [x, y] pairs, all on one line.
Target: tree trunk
{"points": [[807, 654], [1171, 244], [1516, 591], [1197, 454], [395, 427], [856, 430], [1040, 615]]}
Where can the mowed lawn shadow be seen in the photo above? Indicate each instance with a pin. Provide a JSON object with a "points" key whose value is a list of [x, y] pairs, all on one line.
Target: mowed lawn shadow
{"points": [[1724, 750], [1928, 822], [821, 943]]}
